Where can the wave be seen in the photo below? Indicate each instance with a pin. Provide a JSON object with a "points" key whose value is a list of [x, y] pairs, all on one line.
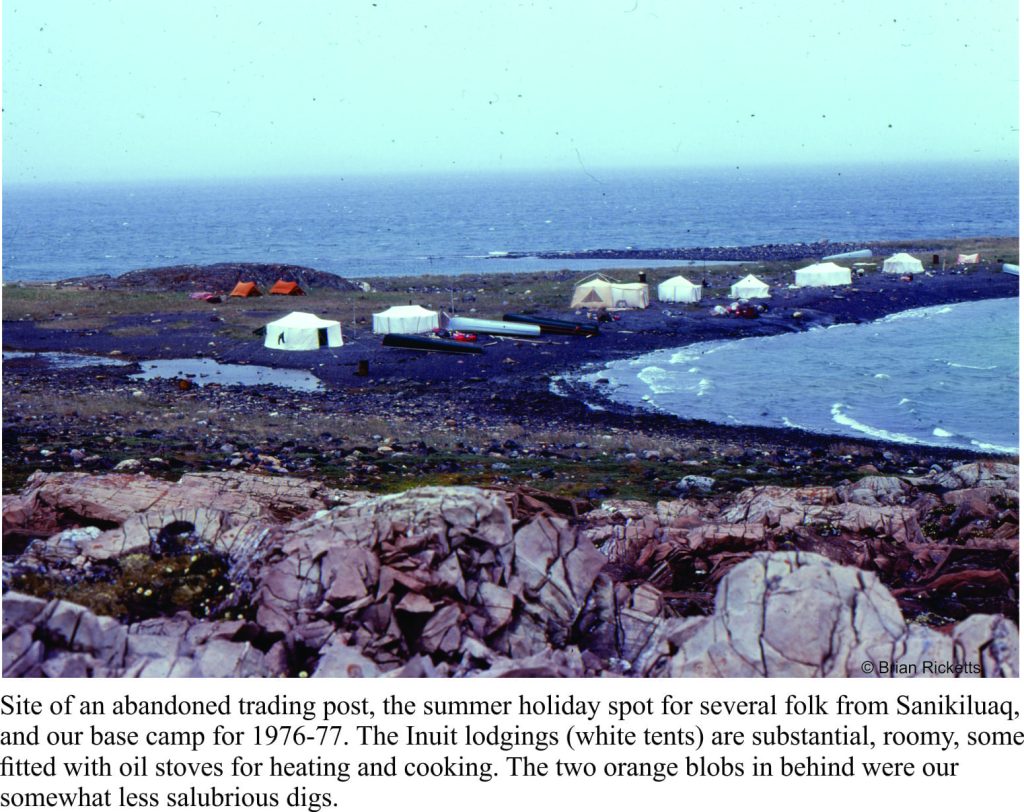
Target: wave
{"points": [[967, 366], [870, 431], [918, 313], [894, 376], [998, 449], [657, 380], [692, 352]]}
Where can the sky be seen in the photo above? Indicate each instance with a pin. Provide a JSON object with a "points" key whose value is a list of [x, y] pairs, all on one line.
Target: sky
{"points": [[132, 89]]}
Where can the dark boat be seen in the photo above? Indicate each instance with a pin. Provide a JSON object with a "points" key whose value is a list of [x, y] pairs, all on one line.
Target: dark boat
{"points": [[429, 344], [554, 326]]}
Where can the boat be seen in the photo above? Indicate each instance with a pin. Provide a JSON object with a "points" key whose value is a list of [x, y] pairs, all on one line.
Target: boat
{"points": [[492, 327], [454, 335], [428, 344], [554, 326]]}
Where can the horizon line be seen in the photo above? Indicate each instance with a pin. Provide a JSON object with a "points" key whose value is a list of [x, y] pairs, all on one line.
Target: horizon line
{"points": [[491, 171]]}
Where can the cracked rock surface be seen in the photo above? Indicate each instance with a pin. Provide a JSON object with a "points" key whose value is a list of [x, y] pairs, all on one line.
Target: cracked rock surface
{"points": [[245, 575], [800, 615]]}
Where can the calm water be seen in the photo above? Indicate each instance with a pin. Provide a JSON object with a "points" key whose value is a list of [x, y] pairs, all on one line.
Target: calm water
{"points": [[449, 224], [65, 360], [202, 371], [945, 376]]}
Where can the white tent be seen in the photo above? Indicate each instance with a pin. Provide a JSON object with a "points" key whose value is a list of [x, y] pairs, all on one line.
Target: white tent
{"points": [[749, 287], [593, 292], [679, 289], [406, 319], [902, 263], [967, 259], [302, 331], [599, 291], [822, 275]]}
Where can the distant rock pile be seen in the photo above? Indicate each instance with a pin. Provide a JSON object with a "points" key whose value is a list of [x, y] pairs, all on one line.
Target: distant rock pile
{"points": [[235, 574], [221, 277], [766, 252]]}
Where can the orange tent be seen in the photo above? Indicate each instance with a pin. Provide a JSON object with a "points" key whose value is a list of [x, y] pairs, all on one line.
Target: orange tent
{"points": [[246, 289], [282, 288]]}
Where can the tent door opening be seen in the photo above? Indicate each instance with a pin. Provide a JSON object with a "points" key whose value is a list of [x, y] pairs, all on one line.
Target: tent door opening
{"points": [[321, 335]]}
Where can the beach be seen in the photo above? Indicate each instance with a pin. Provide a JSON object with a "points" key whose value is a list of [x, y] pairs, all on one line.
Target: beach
{"points": [[512, 421], [459, 406]]}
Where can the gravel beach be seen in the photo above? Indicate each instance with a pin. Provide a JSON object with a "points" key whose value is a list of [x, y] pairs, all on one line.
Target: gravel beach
{"points": [[466, 405], [137, 505]]}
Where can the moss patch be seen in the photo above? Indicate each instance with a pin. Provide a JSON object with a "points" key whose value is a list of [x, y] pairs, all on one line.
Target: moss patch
{"points": [[138, 586]]}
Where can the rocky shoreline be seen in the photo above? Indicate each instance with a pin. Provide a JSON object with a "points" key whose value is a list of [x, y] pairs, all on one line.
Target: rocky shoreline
{"points": [[766, 252], [457, 414], [219, 277], [644, 515]]}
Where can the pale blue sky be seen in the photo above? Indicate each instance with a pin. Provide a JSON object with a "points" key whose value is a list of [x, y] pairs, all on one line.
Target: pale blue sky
{"points": [[137, 89]]}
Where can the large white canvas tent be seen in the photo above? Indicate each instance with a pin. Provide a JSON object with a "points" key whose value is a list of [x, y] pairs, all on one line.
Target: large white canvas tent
{"points": [[967, 259], [822, 275], [902, 263], [749, 287], [679, 289], [599, 291], [302, 331], [405, 319]]}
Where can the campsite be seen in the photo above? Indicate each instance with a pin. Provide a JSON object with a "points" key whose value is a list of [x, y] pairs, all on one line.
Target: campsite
{"points": [[383, 420], [461, 400]]}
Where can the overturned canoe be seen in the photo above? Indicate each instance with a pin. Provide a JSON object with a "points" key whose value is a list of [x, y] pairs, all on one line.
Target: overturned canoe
{"points": [[554, 326], [863, 253], [492, 327], [427, 344]]}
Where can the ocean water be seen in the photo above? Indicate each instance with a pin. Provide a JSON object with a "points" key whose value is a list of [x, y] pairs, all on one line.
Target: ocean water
{"points": [[943, 376], [403, 225]]}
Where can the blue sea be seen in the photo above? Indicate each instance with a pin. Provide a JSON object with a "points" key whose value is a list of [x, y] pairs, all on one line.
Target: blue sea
{"points": [[944, 376], [449, 224]]}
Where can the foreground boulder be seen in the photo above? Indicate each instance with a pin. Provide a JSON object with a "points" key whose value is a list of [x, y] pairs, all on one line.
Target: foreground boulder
{"points": [[434, 571], [800, 615]]}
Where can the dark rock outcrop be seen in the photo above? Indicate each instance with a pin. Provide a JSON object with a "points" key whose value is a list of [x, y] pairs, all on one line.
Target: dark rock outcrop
{"points": [[221, 276]]}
